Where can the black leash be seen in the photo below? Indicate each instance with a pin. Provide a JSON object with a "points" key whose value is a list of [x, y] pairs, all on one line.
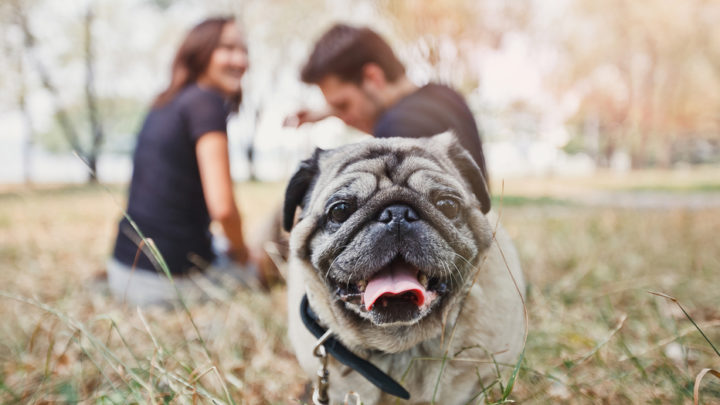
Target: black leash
{"points": [[348, 358]]}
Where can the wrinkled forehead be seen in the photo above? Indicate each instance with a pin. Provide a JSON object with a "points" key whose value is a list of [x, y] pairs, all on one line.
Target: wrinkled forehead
{"points": [[396, 161], [364, 171]]}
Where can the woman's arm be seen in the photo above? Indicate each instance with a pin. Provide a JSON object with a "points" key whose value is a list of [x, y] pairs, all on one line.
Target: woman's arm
{"points": [[214, 164]]}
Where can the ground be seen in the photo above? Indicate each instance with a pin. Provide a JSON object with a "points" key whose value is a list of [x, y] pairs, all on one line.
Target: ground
{"points": [[592, 250]]}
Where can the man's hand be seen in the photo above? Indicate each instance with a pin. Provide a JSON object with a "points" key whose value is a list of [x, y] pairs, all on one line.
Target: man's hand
{"points": [[305, 116]]}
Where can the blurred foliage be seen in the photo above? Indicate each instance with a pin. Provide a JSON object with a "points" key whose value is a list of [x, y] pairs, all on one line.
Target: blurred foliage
{"points": [[162, 4], [647, 73], [575, 144], [642, 78], [122, 118]]}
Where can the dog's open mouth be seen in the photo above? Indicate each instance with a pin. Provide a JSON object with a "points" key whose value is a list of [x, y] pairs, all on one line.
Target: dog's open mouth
{"points": [[398, 292]]}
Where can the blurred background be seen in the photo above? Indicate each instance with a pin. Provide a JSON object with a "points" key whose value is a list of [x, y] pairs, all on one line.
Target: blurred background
{"points": [[601, 122], [563, 88]]}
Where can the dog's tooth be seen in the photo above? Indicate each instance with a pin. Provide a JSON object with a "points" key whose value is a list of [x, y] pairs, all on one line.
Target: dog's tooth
{"points": [[361, 285], [422, 278]]}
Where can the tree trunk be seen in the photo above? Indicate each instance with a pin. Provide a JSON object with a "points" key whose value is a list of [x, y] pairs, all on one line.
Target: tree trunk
{"points": [[66, 125], [28, 139], [28, 127], [96, 128], [250, 147]]}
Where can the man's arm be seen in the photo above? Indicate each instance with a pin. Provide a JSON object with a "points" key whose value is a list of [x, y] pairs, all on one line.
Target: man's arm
{"points": [[306, 116]]}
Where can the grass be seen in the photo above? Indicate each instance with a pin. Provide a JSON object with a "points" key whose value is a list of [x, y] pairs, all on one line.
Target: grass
{"points": [[519, 200], [689, 180], [596, 334]]}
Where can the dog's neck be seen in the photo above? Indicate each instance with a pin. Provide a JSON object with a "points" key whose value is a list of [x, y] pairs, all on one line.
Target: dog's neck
{"points": [[348, 358]]}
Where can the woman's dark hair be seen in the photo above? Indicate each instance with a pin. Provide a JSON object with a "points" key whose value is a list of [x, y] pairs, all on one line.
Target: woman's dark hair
{"points": [[193, 58], [344, 50]]}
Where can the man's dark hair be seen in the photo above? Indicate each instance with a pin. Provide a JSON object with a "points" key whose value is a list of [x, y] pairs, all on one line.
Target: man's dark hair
{"points": [[344, 50]]}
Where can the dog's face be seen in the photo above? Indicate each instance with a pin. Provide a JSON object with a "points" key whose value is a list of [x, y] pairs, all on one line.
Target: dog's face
{"points": [[393, 229]]}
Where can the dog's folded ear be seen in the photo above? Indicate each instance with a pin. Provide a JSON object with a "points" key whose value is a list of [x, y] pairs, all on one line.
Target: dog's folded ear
{"points": [[468, 168], [299, 187]]}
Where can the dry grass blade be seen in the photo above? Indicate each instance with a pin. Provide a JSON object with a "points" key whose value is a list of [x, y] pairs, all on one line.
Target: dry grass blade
{"points": [[673, 299], [166, 270], [54, 243], [506, 390], [669, 340], [511, 382], [109, 356], [188, 385], [216, 372], [147, 329], [698, 379], [134, 266], [592, 352]]}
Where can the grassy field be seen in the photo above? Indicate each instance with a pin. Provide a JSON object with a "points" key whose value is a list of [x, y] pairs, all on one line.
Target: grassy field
{"points": [[596, 334]]}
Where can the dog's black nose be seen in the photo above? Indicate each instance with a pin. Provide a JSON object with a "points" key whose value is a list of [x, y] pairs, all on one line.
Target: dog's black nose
{"points": [[397, 213]]}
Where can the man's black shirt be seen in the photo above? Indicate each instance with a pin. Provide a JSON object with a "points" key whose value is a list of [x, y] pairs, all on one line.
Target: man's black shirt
{"points": [[430, 110]]}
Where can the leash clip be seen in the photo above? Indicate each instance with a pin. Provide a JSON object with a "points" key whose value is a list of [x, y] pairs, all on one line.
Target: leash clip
{"points": [[320, 392]]}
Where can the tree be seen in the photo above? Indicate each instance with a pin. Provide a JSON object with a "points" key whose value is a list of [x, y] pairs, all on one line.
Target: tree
{"points": [[447, 36], [640, 73], [15, 83], [70, 131], [96, 126]]}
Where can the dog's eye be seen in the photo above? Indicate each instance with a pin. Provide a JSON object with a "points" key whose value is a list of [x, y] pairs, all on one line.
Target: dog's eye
{"points": [[340, 212], [449, 207]]}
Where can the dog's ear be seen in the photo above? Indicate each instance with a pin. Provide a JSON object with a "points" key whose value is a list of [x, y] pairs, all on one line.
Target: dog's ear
{"points": [[468, 168], [299, 187]]}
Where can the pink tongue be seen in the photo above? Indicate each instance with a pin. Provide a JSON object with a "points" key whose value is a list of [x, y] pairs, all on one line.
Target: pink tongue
{"points": [[397, 279]]}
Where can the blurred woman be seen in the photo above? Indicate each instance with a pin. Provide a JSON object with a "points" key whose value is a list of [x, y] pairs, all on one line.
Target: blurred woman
{"points": [[181, 175]]}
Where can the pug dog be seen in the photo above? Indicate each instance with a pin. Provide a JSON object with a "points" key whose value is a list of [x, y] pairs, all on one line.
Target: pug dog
{"points": [[395, 250]]}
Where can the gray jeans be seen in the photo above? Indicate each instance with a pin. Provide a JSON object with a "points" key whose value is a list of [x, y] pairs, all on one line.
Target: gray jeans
{"points": [[142, 287]]}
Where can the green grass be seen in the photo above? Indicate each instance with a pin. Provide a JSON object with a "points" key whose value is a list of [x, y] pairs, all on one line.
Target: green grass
{"points": [[596, 334], [518, 200], [691, 188], [58, 190]]}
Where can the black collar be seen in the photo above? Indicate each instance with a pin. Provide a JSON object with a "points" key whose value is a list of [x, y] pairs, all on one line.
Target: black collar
{"points": [[348, 358]]}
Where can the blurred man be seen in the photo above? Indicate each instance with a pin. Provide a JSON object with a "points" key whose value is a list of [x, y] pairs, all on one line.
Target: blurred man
{"points": [[365, 85]]}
